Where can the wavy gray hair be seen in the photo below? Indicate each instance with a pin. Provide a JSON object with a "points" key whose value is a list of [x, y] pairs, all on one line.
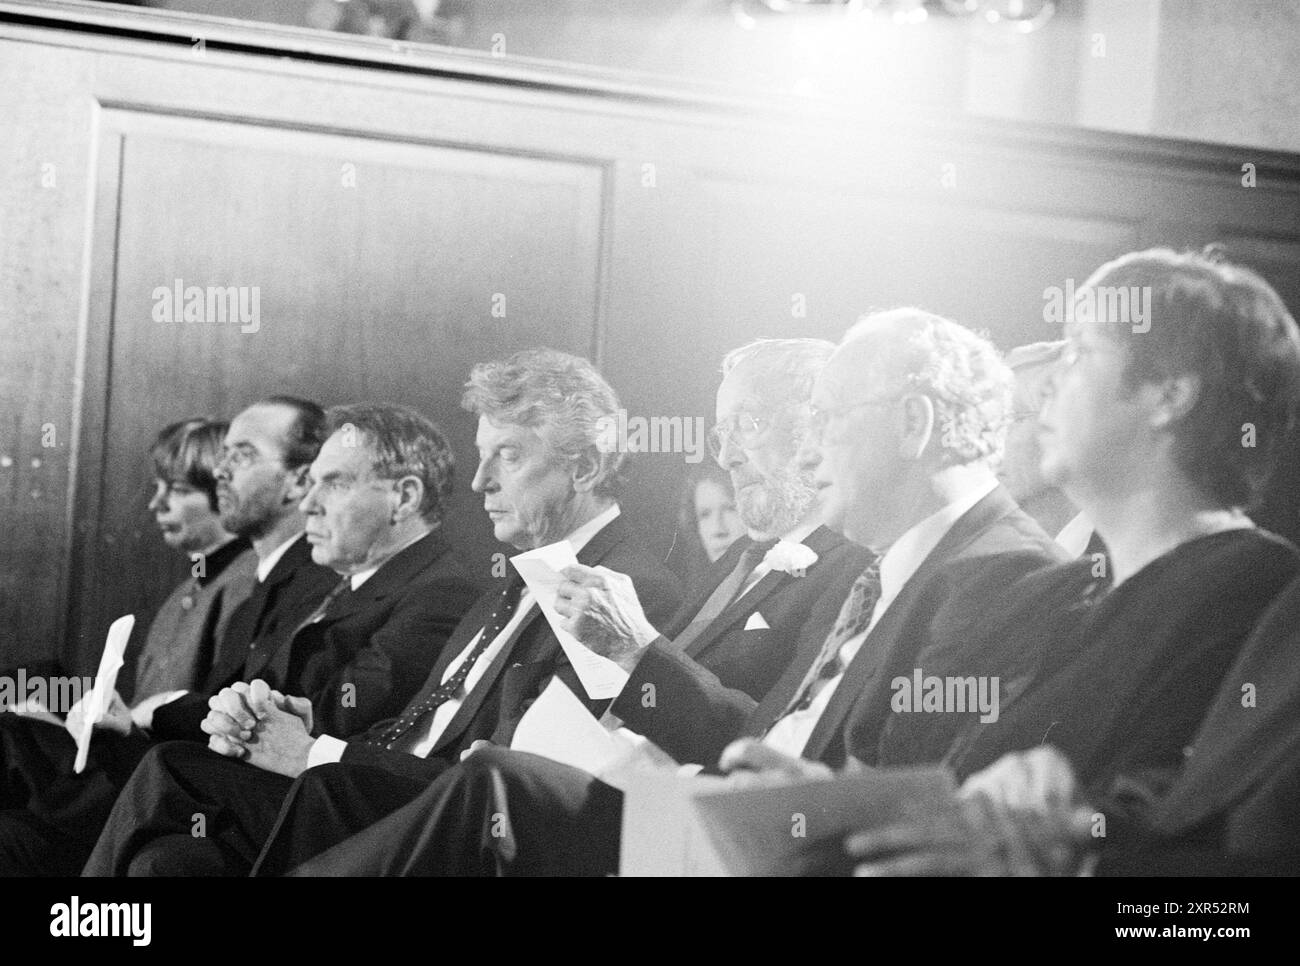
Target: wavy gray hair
{"points": [[960, 371], [562, 396], [780, 372]]}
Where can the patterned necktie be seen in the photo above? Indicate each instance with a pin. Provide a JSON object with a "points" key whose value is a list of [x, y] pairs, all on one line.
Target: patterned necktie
{"points": [[722, 597], [855, 617], [439, 693]]}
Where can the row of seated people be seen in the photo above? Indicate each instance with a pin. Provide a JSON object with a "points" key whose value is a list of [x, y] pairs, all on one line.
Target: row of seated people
{"points": [[353, 713]]}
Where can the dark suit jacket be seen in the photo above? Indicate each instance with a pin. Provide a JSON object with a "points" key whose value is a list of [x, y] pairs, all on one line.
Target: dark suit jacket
{"points": [[1240, 791], [527, 661], [365, 658], [692, 703], [291, 591], [995, 532]]}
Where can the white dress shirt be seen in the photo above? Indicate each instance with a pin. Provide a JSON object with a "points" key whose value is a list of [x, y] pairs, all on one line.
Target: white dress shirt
{"points": [[1075, 535], [901, 561], [361, 576], [266, 564], [328, 749]]}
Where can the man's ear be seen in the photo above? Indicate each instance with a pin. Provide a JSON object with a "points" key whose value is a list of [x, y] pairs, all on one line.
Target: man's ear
{"points": [[916, 417], [1171, 400], [584, 470], [410, 494], [297, 484]]}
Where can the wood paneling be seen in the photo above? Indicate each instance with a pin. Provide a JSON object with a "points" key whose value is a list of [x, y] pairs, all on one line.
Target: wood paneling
{"points": [[376, 268], [650, 228]]}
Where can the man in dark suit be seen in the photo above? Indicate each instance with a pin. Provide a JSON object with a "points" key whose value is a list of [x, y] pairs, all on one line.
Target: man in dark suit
{"points": [[1235, 809], [544, 478], [736, 634], [259, 482], [378, 491], [1115, 671], [903, 469]]}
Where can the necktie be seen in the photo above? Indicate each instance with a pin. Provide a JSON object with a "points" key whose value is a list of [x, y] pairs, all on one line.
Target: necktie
{"points": [[854, 618], [437, 693], [342, 587], [725, 593]]}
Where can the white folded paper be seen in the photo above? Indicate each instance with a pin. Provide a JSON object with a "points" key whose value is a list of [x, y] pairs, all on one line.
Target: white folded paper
{"points": [[707, 826], [97, 704], [558, 726], [541, 569]]}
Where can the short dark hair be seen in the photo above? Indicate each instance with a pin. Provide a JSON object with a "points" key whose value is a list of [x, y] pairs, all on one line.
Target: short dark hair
{"points": [[1224, 324], [188, 451], [307, 432], [560, 395], [402, 442]]}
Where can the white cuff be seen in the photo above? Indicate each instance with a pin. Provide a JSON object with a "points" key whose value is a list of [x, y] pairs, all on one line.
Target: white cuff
{"points": [[143, 712], [325, 750]]}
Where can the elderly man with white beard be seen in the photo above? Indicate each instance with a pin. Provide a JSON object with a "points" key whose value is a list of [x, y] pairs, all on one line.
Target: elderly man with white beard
{"points": [[771, 596]]}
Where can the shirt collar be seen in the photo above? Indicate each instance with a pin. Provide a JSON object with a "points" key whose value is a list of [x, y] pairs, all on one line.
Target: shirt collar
{"points": [[802, 532], [361, 576], [906, 554], [580, 537], [266, 564], [1075, 535]]}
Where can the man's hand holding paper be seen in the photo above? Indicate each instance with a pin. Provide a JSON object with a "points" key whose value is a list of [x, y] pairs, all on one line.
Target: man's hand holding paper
{"points": [[543, 570], [602, 611]]}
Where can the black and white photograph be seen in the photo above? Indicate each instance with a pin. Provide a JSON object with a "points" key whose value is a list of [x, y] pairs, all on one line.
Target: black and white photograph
{"points": [[633, 439]]}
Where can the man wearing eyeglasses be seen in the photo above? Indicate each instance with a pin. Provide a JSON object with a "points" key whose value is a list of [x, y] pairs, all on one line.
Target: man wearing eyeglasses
{"points": [[260, 481], [909, 415], [543, 477], [689, 689]]}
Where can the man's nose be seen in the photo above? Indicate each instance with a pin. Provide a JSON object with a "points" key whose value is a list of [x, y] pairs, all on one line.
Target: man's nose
{"points": [[309, 504], [809, 456], [731, 455], [482, 482], [158, 500]]}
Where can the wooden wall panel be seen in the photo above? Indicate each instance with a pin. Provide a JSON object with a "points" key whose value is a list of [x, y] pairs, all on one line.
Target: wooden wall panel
{"points": [[651, 229], [376, 267]]}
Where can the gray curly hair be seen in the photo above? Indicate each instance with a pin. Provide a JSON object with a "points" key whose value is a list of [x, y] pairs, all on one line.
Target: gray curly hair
{"points": [[560, 395], [780, 372], [960, 371]]}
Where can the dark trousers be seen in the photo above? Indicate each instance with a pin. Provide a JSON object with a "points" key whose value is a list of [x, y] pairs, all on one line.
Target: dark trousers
{"points": [[188, 811], [497, 813], [49, 816]]}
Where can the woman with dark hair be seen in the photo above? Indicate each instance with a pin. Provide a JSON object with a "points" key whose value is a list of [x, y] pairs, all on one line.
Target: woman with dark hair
{"points": [[180, 643], [37, 752], [707, 520]]}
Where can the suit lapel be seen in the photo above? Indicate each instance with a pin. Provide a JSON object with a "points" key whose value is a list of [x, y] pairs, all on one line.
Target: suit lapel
{"points": [[237, 649], [718, 572], [737, 609], [818, 541], [390, 578], [605, 540], [884, 637]]}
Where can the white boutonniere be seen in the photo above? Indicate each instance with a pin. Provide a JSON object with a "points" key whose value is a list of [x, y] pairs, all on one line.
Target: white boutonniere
{"points": [[791, 558]]}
